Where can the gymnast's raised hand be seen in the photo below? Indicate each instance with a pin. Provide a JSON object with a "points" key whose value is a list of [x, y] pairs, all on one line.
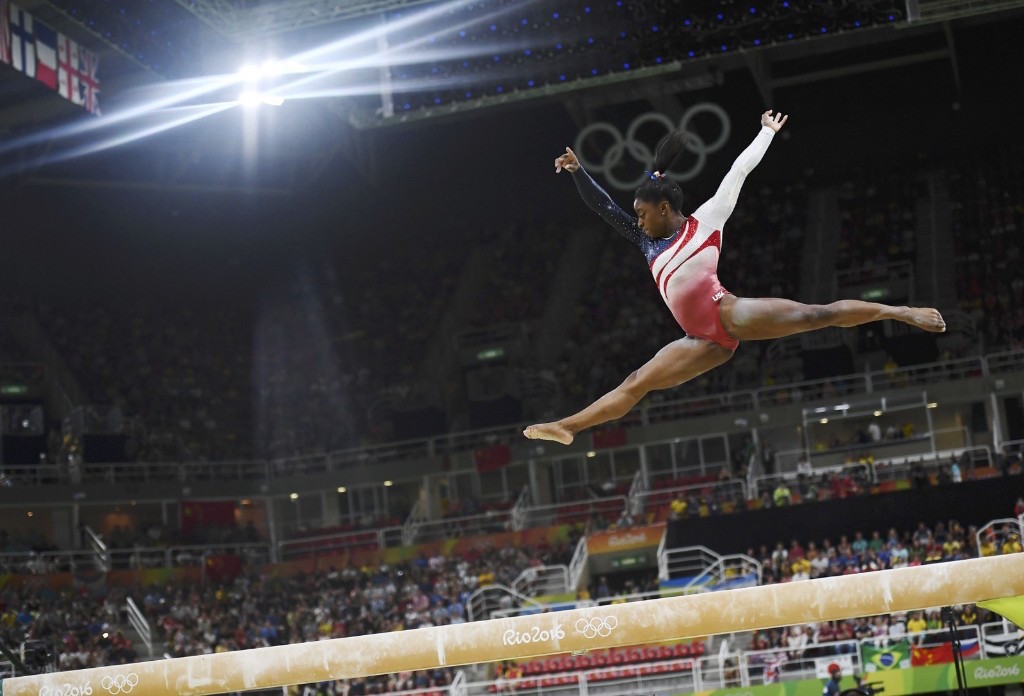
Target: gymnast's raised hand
{"points": [[568, 162]]}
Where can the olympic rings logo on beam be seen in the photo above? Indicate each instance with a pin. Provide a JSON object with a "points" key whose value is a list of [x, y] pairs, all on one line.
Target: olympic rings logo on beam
{"points": [[597, 626], [644, 153], [121, 684]]}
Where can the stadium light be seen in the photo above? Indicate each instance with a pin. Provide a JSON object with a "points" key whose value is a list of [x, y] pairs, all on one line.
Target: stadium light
{"points": [[250, 73], [342, 489], [294, 496], [251, 97]]}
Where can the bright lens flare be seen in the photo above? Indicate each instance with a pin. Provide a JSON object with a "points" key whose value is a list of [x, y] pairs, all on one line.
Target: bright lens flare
{"points": [[251, 98]]}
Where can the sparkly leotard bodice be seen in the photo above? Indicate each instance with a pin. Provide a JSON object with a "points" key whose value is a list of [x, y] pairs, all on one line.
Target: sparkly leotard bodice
{"points": [[685, 265]]}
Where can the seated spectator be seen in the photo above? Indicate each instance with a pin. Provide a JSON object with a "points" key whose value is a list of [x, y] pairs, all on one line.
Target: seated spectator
{"points": [[781, 495]]}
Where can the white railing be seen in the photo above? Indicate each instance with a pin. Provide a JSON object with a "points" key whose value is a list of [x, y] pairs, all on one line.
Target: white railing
{"points": [[630, 597], [186, 555], [861, 473], [410, 528], [578, 564], [519, 508], [1001, 363], [34, 475], [712, 404], [732, 402], [416, 530], [727, 491], [888, 469], [542, 580], [1012, 447], [574, 512], [327, 544], [138, 621], [662, 558], [491, 598], [900, 467], [999, 531], [584, 603], [687, 562], [637, 487], [33, 563], [703, 567], [458, 685], [736, 566], [464, 526], [99, 549], [527, 610]]}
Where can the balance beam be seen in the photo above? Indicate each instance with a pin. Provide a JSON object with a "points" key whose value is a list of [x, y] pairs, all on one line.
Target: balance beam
{"points": [[521, 637]]}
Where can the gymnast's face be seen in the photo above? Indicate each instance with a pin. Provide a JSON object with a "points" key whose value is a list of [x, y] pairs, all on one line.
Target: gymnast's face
{"points": [[655, 219]]}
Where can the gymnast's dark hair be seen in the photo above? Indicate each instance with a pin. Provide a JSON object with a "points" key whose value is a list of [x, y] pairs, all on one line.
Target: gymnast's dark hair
{"points": [[658, 188]]}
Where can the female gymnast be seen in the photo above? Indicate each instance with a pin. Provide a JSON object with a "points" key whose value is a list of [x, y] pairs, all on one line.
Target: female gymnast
{"points": [[682, 252]]}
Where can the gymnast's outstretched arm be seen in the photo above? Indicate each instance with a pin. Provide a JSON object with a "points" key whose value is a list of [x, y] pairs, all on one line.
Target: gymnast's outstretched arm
{"points": [[717, 210], [598, 200]]}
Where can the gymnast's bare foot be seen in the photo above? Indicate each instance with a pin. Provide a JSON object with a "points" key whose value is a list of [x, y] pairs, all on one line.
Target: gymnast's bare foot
{"points": [[926, 318], [549, 431]]}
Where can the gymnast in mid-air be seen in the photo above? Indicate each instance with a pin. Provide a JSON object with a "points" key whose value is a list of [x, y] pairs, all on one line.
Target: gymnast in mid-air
{"points": [[682, 252]]}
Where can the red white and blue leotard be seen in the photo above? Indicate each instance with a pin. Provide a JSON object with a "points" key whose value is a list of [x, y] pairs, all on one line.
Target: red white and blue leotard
{"points": [[685, 265]]}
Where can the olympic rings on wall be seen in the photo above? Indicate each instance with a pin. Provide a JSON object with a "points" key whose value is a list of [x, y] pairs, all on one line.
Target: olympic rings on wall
{"points": [[644, 153]]}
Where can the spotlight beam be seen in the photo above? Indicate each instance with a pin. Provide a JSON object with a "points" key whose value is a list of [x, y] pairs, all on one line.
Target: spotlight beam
{"points": [[194, 114], [167, 98]]}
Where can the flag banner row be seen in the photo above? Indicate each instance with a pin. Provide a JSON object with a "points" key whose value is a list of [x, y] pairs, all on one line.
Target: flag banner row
{"points": [[903, 655], [44, 54]]}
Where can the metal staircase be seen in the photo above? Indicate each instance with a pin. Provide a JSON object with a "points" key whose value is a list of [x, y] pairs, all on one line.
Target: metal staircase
{"points": [[487, 600], [698, 568]]}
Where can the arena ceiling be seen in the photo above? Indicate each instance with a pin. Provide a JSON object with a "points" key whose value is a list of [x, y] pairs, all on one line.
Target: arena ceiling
{"points": [[245, 20]]}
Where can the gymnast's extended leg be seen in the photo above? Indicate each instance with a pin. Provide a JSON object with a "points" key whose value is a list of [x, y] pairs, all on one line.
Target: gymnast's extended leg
{"points": [[763, 318], [678, 362]]}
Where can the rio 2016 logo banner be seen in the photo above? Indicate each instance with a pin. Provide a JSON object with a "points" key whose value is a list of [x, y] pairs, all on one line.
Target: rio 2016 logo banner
{"points": [[642, 152], [67, 690], [534, 635]]}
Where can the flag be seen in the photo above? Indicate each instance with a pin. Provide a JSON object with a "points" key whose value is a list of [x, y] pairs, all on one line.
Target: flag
{"points": [[491, 458], [969, 648], [197, 515], [1008, 643], [223, 567], [614, 437], [773, 664], [90, 84], [882, 659], [934, 655], [23, 46], [5, 33], [46, 55], [822, 665], [68, 71]]}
